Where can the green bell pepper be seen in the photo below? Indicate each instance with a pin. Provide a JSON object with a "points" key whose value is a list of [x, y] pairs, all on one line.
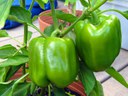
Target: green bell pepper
{"points": [[52, 60], [99, 45]]}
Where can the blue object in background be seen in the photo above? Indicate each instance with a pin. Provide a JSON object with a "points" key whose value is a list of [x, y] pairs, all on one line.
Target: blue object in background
{"points": [[35, 11]]}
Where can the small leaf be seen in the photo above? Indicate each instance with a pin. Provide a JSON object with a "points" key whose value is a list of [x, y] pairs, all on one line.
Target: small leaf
{"points": [[87, 77], [3, 33], [20, 15], [65, 16], [7, 51], [117, 76], [14, 61], [5, 6], [49, 30], [84, 3]]}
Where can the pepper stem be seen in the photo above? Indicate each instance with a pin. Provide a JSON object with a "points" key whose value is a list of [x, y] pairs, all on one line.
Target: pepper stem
{"points": [[22, 4]]}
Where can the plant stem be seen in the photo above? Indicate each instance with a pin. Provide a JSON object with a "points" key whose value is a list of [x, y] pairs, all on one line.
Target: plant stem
{"points": [[49, 90], [30, 8], [18, 50], [72, 25], [55, 21], [89, 3], [83, 16], [74, 9], [38, 30], [110, 10], [16, 40], [25, 42], [25, 33], [22, 3], [96, 7]]}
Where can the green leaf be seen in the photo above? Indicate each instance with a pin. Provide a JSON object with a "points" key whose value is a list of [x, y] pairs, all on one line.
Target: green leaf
{"points": [[5, 6], [42, 3], [29, 35], [20, 15], [15, 85], [87, 77], [84, 3], [22, 89], [117, 76], [3, 33], [49, 30], [3, 73], [12, 71], [65, 16], [59, 92], [24, 51], [14, 61], [98, 90], [6, 88], [7, 51], [11, 88]]}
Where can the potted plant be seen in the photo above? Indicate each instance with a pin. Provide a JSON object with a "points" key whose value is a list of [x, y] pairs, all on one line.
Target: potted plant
{"points": [[56, 63]]}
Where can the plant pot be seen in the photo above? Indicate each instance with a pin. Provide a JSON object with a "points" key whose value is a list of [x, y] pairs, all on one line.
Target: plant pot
{"points": [[18, 74], [78, 88], [45, 21]]}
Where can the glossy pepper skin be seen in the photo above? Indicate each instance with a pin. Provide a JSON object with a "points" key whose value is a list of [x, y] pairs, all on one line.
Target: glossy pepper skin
{"points": [[52, 60], [99, 45]]}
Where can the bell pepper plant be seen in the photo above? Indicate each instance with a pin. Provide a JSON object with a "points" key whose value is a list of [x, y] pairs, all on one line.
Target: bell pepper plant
{"points": [[54, 60]]}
